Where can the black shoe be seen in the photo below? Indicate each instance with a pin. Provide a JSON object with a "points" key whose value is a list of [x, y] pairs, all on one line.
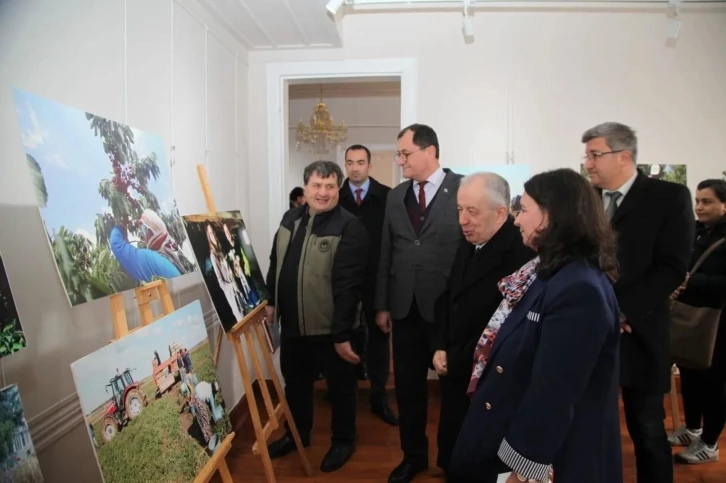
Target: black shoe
{"points": [[361, 371], [384, 412], [406, 471], [337, 456], [283, 446]]}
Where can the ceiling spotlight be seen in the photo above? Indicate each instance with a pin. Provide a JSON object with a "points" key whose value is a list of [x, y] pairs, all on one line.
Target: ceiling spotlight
{"points": [[467, 21], [468, 26], [673, 28], [334, 5]]}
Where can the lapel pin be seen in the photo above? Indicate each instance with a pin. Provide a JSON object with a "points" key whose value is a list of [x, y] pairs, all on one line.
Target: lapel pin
{"points": [[446, 190]]}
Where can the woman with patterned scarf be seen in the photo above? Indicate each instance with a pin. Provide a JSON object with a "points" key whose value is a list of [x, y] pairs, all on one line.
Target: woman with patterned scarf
{"points": [[544, 384]]}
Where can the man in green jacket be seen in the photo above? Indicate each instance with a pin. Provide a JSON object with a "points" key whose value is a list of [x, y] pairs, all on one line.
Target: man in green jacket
{"points": [[316, 276]]}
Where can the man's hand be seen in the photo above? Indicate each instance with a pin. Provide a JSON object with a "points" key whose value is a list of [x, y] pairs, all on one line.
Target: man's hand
{"points": [[624, 326], [270, 313], [440, 363], [345, 351], [383, 319]]}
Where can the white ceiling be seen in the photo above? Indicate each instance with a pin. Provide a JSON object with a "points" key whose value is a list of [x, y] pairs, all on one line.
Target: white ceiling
{"points": [[276, 24]]}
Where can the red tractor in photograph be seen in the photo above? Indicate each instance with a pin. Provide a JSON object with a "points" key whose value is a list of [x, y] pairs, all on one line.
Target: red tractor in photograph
{"points": [[127, 403]]}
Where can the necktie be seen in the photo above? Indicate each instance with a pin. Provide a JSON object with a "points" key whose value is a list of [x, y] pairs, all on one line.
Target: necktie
{"points": [[613, 205], [358, 199], [422, 196]]}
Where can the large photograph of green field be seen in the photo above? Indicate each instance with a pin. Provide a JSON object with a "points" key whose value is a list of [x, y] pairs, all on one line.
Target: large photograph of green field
{"points": [[152, 402]]}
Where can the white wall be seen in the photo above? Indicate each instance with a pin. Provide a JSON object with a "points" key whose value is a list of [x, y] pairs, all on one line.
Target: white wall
{"points": [[371, 120], [534, 80], [154, 65]]}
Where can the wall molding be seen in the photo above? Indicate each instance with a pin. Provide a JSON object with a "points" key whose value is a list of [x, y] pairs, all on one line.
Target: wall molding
{"points": [[51, 425]]}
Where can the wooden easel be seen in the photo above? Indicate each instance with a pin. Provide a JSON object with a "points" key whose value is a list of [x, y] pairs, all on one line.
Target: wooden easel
{"points": [[250, 328], [145, 295]]}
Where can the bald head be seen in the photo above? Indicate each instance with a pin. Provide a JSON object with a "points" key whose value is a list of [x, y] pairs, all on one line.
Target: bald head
{"points": [[483, 201]]}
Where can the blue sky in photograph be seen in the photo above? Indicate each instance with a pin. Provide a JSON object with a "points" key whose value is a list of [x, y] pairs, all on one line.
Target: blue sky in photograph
{"points": [[515, 174], [136, 351], [73, 162]]}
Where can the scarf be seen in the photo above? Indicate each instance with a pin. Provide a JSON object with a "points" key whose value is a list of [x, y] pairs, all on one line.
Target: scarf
{"points": [[513, 287]]}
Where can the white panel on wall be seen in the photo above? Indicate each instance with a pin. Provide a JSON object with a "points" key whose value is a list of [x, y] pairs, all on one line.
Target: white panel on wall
{"points": [[221, 92], [188, 107], [555, 98], [149, 67], [674, 96]]}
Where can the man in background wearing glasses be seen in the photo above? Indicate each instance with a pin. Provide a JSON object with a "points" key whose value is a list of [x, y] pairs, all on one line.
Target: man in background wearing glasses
{"points": [[419, 240], [655, 226]]}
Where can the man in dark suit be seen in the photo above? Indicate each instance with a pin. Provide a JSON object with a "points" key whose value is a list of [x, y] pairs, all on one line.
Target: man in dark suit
{"points": [[419, 239], [654, 222], [365, 197], [492, 249]]}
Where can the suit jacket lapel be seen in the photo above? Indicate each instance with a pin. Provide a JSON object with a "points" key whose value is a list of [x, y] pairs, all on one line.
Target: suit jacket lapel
{"points": [[481, 264], [517, 315], [631, 199], [442, 195], [401, 205]]}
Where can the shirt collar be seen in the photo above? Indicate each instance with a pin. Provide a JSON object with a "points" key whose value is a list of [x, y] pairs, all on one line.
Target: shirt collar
{"points": [[364, 186], [623, 190], [435, 180]]}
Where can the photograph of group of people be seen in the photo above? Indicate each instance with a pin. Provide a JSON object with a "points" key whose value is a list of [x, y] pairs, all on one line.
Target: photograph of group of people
{"points": [[223, 249]]}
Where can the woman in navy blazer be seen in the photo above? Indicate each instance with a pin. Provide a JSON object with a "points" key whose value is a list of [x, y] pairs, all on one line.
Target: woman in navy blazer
{"points": [[544, 389]]}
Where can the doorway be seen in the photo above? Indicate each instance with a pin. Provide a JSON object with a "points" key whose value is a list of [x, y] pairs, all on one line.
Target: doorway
{"points": [[281, 75], [354, 111]]}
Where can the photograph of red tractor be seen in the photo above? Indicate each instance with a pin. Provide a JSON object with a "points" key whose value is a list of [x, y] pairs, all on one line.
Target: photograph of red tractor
{"points": [[127, 403]]}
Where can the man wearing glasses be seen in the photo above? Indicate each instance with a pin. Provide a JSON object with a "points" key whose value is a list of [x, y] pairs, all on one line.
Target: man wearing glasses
{"points": [[654, 222], [419, 240]]}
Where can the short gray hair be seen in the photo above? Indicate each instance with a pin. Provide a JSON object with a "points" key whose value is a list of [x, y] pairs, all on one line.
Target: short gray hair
{"points": [[618, 136], [496, 188], [324, 169]]}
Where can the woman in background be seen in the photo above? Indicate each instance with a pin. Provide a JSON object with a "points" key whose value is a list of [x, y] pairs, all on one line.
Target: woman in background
{"points": [[704, 391], [545, 384]]}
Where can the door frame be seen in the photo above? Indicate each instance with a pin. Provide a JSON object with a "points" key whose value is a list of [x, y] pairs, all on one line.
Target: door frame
{"points": [[279, 76]]}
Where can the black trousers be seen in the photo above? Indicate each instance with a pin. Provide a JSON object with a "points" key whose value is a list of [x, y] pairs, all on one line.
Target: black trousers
{"points": [[454, 406], [374, 348], [704, 399], [300, 362], [411, 361], [645, 419]]}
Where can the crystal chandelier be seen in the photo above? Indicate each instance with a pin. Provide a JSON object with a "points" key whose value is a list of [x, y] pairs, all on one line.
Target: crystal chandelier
{"points": [[321, 132]]}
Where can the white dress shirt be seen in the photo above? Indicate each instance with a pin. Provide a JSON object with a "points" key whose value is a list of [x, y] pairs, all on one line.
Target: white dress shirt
{"points": [[432, 186]]}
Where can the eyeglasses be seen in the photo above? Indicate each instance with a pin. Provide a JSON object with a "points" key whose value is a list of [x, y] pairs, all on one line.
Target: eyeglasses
{"points": [[399, 156], [596, 154]]}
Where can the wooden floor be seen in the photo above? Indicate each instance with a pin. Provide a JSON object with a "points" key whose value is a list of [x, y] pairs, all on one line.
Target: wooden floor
{"points": [[378, 451]]}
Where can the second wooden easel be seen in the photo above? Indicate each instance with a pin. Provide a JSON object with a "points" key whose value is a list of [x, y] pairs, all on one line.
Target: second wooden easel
{"points": [[145, 295], [251, 330]]}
